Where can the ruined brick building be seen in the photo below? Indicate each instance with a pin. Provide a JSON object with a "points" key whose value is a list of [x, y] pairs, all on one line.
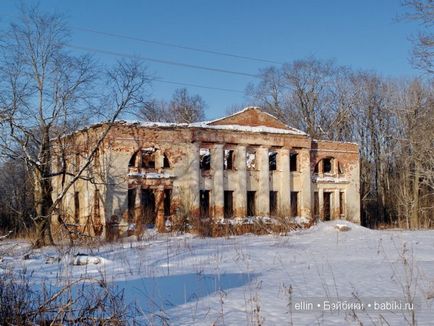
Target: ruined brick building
{"points": [[245, 164]]}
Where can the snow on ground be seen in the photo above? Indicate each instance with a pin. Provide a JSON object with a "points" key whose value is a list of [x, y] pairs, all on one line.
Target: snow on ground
{"points": [[252, 280]]}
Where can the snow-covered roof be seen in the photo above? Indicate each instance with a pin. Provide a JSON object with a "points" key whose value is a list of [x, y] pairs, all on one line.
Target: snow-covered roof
{"points": [[259, 129], [205, 125], [253, 116], [213, 124]]}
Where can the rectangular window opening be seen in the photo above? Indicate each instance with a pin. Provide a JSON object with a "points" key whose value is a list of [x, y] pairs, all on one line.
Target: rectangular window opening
{"points": [[293, 162], [272, 160], [228, 204], [327, 165], [205, 159], [167, 201], [273, 203], [251, 203], [251, 160], [228, 159]]}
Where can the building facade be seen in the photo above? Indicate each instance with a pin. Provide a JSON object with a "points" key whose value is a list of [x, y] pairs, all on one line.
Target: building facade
{"points": [[246, 164]]}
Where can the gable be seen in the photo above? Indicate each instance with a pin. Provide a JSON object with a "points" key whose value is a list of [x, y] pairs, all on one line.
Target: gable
{"points": [[252, 117]]}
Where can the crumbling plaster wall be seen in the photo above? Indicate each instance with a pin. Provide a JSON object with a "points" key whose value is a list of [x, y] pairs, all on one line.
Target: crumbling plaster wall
{"points": [[347, 156], [182, 147]]}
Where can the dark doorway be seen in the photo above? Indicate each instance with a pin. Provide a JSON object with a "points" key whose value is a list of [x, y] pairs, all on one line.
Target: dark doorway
{"points": [[251, 203], [228, 203], [273, 203], [204, 203], [316, 204], [167, 201], [131, 204], [148, 204], [327, 210], [294, 203]]}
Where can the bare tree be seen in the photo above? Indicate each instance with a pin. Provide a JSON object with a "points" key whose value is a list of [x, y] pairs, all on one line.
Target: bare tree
{"points": [[16, 197], [374, 132], [422, 11], [185, 108], [391, 120], [303, 94], [45, 92], [234, 108], [338, 118], [310, 81], [154, 110], [271, 93], [414, 154]]}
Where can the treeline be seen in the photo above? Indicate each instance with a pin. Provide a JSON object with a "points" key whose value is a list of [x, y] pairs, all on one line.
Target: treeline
{"points": [[392, 120], [45, 92]]}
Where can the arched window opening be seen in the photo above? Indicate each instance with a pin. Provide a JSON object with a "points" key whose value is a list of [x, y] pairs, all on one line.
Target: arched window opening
{"points": [[144, 158], [205, 159], [166, 162], [132, 162], [327, 166]]}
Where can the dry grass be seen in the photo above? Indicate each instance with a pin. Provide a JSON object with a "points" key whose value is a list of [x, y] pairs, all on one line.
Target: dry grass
{"points": [[75, 303]]}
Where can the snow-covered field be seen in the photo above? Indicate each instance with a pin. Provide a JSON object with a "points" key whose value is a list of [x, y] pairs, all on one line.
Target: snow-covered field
{"points": [[255, 280]]}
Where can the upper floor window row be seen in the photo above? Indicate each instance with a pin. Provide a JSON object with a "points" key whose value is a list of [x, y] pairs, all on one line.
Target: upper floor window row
{"points": [[229, 158]]}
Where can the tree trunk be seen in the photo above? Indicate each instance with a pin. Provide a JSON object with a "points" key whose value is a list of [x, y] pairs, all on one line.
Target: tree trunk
{"points": [[43, 203], [42, 194], [415, 206]]}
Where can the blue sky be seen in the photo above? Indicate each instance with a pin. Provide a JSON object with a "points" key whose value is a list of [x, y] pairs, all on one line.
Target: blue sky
{"points": [[361, 34]]}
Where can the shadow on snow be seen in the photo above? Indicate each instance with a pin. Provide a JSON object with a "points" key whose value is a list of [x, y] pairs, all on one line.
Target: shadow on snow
{"points": [[154, 294]]}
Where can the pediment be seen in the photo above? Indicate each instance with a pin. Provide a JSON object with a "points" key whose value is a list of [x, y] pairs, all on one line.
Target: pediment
{"points": [[251, 116]]}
